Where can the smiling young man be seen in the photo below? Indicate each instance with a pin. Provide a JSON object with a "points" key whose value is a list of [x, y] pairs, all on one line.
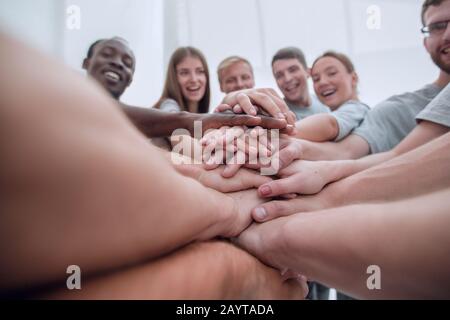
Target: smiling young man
{"points": [[388, 123], [112, 64], [291, 74], [382, 127]]}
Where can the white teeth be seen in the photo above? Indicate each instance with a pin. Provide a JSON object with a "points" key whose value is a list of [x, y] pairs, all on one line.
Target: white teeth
{"points": [[112, 76], [290, 88], [328, 93], [446, 50]]}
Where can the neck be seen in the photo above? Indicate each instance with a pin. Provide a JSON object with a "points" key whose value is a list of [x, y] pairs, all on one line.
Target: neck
{"points": [[304, 101], [443, 80], [115, 96], [354, 98], [192, 107]]}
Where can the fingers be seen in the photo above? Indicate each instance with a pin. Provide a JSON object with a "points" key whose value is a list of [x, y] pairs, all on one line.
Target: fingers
{"points": [[280, 187], [239, 121], [245, 180], [289, 130], [223, 108], [281, 208], [272, 123], [245, 103], [272, 210], [289, 154], [238, 109], [234, 165], [268, 104]]}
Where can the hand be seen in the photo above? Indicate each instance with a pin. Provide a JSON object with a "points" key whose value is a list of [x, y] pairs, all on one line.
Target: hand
{"points": [[330, 197], [243, 180], [300, 177], [235, 147], [267, 242], [290, 149], [218, 120], [266, 99], [239, 218]]}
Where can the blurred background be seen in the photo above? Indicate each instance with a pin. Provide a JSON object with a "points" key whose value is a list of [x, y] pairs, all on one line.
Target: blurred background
{"points": [[382, 37]]}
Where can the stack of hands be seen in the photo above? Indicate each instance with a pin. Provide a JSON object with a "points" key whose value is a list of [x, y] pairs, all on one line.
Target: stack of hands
{"points": [[240, 158], [232, 159]]}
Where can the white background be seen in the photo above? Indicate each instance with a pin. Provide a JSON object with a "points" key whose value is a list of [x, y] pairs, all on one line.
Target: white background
{"points": [[390, 60]]}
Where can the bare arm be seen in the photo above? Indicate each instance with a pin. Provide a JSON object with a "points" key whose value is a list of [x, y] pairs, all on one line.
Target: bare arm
{"points": [[408, 240], [304, 177], [352, 147], [157, 123], [420, 171], [422, 134], [201, 271], [317, 128], [80, 185]]}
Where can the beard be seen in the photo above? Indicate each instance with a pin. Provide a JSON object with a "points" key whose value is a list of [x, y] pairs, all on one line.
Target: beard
{"points": [[438, 61]]}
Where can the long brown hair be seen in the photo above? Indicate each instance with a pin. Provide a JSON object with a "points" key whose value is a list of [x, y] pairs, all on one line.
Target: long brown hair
{"points": [[172, 88]]}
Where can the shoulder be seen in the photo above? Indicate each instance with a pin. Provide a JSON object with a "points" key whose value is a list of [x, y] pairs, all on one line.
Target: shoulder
{"points": [[353, 105], [170, 105]]}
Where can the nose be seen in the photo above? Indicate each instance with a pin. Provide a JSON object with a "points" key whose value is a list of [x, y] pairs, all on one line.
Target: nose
{"points": [[240, 84], [193, 77], [288, 77], [117, 63], [321, 84]]}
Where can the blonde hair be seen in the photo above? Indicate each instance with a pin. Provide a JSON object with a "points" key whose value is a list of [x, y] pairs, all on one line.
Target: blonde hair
{"points": [[230, 61]]}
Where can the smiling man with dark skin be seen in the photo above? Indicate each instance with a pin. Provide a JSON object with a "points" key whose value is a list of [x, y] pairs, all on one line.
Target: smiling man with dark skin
{"points": [[112, 64]]}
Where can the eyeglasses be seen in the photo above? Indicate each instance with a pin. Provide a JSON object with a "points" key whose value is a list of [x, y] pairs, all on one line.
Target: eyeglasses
{"points": [[435, 29]]}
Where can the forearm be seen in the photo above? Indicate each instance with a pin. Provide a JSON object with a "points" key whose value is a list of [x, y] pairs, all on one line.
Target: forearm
{"points": [[335, 247], [80, 185], [318, 128], [340, 169], [155, 123], [420, 171], [352, 147], [202, 271]]}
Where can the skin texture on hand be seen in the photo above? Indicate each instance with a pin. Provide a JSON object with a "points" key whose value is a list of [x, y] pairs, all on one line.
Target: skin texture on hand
{"points": [[218, 120], [391, 180], [267, 99], [213, 270], [407, 239], [300, 177], [243, 180]]}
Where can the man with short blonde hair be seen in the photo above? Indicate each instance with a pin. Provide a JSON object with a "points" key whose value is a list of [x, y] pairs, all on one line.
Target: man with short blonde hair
{"points": [[235, 73]]}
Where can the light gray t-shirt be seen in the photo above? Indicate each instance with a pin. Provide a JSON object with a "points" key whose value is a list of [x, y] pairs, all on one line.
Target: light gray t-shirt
{"points": [[170, 105], [388, 123], [303, 112], [438, 111], [349, 116]]}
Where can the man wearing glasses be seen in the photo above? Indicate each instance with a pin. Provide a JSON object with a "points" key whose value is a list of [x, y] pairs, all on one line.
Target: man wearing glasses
{"points": [[395, 127], [388, 123]]}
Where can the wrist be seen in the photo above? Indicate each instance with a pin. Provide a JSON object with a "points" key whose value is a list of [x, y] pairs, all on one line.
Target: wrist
{"points": [[223, 207], [337, 170]]}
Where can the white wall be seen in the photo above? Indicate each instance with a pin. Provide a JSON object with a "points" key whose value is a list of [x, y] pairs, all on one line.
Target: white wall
{"points": [[34, 21], [389, 60]]}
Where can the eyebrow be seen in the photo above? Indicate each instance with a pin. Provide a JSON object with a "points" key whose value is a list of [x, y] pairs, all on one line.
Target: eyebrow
{"points": [[330, 68]]}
